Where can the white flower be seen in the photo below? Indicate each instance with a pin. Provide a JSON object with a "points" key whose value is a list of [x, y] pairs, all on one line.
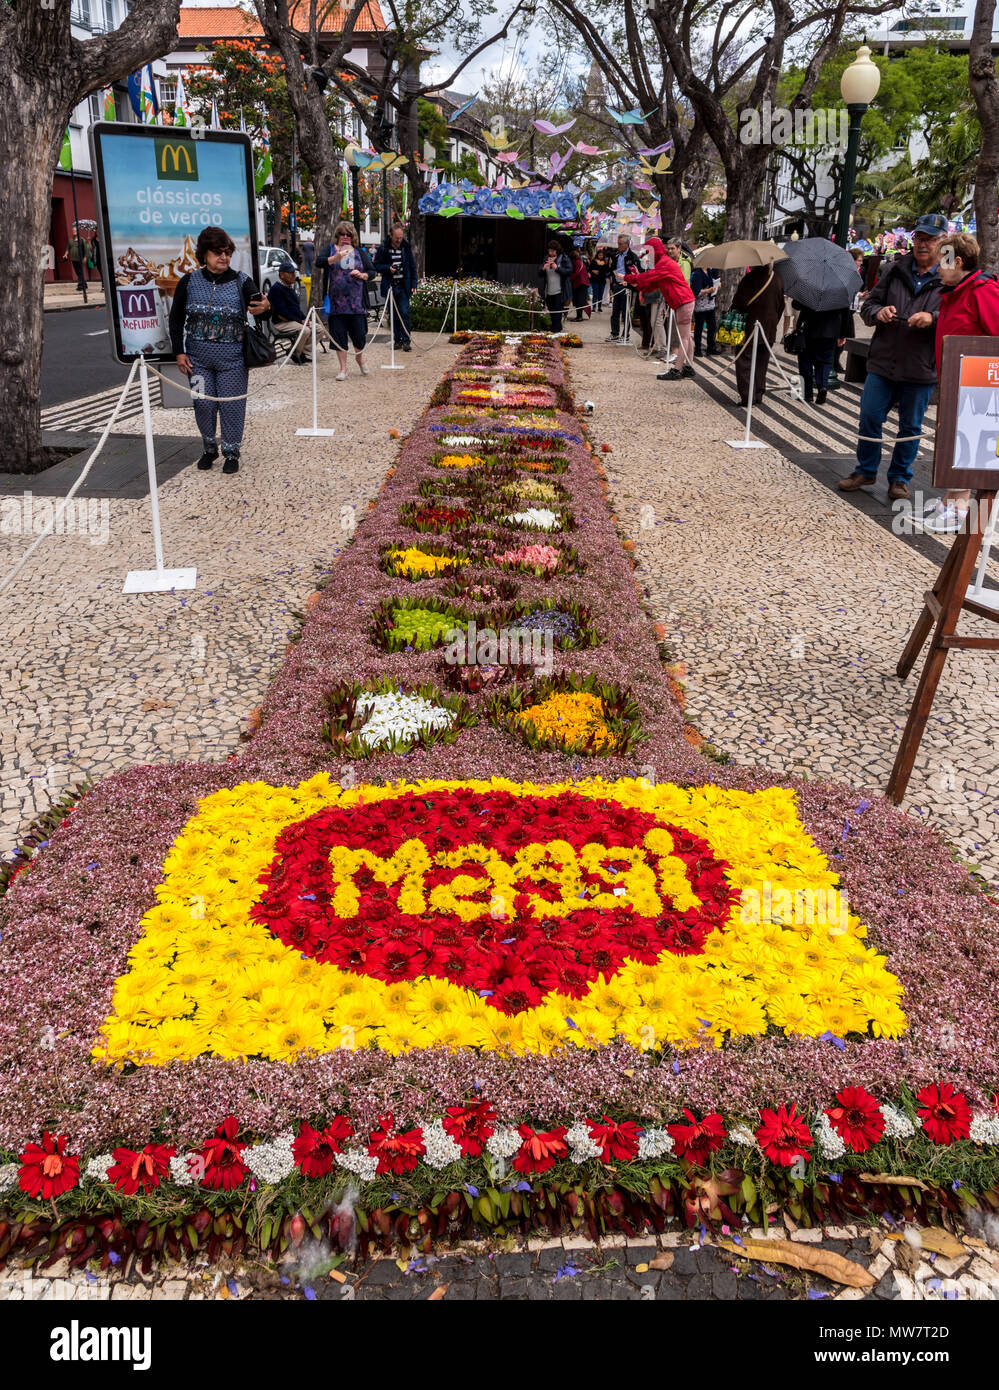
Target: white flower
{"points": [[462, 441], [830, 1144], [742, 1134], [272, 1160], [401, 715], [542, 518], [356, 1161], [653, 1143], [97, 1168], [897, 1125], [183, 1168], [984, 1128], [503, 1142], [441, 1149], [8, 1176], [581, 1143]]}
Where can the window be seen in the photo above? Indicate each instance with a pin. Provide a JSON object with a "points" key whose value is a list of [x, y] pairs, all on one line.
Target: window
{"points": [[95, 102], [168, 93]]}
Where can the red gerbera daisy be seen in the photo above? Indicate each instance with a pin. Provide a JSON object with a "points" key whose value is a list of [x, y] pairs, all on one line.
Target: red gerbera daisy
{"points": [[46, 1169], [694, 1141], [314, 1149], [135, 1168], [945, 1113], [223, 1157], [857, 1118], [783, 1135], [469, 1126], [539, 1150], [615, 1140], [396, 1153]]}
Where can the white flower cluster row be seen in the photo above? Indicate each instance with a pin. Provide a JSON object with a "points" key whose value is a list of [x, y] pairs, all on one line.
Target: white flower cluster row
{"points": [[403, 716], [543, 518]]}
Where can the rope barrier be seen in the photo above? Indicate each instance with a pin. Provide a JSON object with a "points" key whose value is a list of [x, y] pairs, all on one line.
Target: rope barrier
{"points": [[202, 396], [427, 347], [64, 503]]}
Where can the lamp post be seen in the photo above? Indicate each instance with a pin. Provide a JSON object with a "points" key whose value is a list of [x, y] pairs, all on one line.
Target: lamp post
{"points": [[859, 86], [350, 156]]}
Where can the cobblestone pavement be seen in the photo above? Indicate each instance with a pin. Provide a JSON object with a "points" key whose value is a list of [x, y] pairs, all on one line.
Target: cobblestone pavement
{"points": [[788, 606], [899, 1266], [95, 680]]}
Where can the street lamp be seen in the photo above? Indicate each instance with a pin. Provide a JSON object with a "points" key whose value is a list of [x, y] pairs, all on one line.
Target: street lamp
{"points": [[859, 86], [350, 156]]}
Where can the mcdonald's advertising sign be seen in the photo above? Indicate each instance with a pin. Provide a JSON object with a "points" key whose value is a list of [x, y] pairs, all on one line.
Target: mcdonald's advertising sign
{"points": [[157, 189]]}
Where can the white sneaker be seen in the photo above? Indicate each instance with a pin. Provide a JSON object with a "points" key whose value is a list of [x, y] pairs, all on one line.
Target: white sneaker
{"points": [[340, 376], [943, 518], [363, 368]]}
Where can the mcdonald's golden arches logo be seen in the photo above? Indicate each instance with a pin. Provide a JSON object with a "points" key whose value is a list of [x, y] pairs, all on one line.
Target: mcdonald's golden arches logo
{"points": [[176, 159]]}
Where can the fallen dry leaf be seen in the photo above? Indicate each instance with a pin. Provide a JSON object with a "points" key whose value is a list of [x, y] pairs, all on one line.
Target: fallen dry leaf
{"points": [[893, 1180], [438, 1293], [938, 1240], [812, 1258], [340, 1278], [908, 1258], [663, 1261]]}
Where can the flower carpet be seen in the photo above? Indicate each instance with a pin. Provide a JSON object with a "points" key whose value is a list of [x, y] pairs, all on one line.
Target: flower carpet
{"points": [[472, 932]]}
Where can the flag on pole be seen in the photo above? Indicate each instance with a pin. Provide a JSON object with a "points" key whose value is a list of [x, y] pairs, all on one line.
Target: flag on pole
{"points": [[262, 163], [180, 103], [147, 96], [214, 123], [110, 111], [66, 153]]}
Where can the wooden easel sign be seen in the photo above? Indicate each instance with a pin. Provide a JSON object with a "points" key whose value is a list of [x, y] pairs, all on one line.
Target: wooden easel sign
{"points": [[966, 455]]}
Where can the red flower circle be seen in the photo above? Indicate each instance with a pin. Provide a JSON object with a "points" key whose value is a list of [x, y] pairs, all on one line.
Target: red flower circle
{"points": [[783, 1135], [47, 1170], [513, 956]]}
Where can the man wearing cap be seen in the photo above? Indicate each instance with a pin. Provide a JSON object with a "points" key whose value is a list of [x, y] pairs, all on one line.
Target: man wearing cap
{"points": [[901, 365]]}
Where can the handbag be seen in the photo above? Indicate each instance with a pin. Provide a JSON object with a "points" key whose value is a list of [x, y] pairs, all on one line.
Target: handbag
{"points": [[258, 350], [794, 342], [651, 297]]}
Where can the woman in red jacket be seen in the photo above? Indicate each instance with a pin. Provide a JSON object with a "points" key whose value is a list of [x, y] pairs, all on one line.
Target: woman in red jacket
{"points": [[969, 307], [667, 277]]}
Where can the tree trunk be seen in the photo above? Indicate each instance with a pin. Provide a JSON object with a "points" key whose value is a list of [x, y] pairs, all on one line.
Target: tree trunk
{"points": [[45, 73], [985, 90]]}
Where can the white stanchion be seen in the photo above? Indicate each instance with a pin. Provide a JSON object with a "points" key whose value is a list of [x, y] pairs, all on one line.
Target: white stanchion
{"points": [[159, 580], [392, 366], [456, 306], [987, 598], [315, 430], [749, 443]]}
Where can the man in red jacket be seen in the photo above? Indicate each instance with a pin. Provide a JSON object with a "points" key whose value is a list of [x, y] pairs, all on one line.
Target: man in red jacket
{"points": [[667, 277], [969, 307]]}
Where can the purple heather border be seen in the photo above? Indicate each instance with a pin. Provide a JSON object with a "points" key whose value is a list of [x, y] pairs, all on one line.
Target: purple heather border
{"points": [[70, 920]]}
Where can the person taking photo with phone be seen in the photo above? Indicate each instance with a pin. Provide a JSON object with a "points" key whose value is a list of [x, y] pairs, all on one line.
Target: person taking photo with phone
{"points": [[207, 326]]}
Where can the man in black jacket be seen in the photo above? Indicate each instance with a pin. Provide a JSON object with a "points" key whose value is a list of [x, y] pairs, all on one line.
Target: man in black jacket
{"points": [[397, 265], [623, 262], [901, 365]]}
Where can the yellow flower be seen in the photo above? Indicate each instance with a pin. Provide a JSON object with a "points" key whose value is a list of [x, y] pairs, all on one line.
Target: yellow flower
{"points": [[285, 1041]]}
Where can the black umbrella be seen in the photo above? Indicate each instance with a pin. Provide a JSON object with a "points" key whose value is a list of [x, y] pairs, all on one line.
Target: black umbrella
{"points": [[818, 274]]}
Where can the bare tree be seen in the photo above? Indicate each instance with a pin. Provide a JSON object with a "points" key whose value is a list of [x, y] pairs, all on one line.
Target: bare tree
{"points": [[735, 74], [45, 73], [294, 29], [985, 90], [636, 67], [416, 30]]}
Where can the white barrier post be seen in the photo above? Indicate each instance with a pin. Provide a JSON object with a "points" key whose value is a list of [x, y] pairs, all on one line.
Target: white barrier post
{"points": [[988, 598], [748, 443], [159, 580], [456, 306], [315, 430], [392, 366]]}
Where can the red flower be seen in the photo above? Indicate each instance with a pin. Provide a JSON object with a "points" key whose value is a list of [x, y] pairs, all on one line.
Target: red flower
{"points": [[396, 1153], [469, 1126], [314, 1149], [945, 1113], [783, 1135], [539, 1151], [46, 1169], [615, 1140], [857, 1118], [699, 1138], [135, 1168], [223, 1157]]}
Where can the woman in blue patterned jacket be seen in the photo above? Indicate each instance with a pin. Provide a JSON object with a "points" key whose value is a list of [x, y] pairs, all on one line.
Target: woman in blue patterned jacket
{"points": [[207, 324]]}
